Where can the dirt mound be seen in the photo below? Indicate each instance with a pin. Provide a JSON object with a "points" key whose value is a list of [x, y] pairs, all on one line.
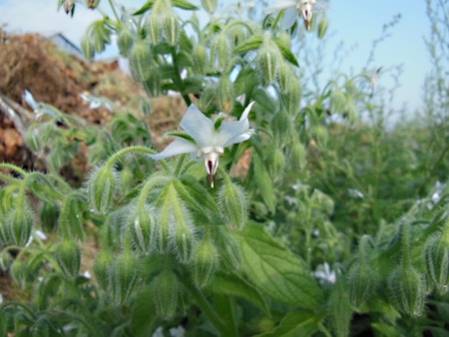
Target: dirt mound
{"points": [[32, 62]]}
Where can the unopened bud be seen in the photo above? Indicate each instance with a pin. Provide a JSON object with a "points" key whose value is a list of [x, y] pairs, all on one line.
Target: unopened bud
{"points": [[298, 155], [16, 228], [143, 227], [124, 40], [68, 256], [407, 290], [437, 261], [166, 290], [205, 262], [340, 311], [171, 28], [225, 94], [140, 60], [222, 50], [49, 215], [102, 188], [322, 28], [233, 204], [123, 276], [200, 59], [268, 59]]}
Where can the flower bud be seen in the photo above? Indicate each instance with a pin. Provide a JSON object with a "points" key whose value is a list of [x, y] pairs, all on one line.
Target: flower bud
{"points": [[437, 261], [92, 4], [221, 50], [282, 127], [143, 227], [87, 47], [16, 228], [49, 215], [225, 94], [69, 6], [102, 189], [322, 28], [175, 230], [68, 256], [103, 262], [200, 59], [340, 311], [123, 276], [71, 220], [140, 60], [361, 280], [166, 290], [407, 290], [268, 59], [277, 160], [205, 262], [124, 40], [298, 155], [233, 204], [209, 5], [19, 272], [171, 28]]}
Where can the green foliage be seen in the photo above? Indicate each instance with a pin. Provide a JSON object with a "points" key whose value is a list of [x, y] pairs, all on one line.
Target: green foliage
{"points": [[323, 222]]}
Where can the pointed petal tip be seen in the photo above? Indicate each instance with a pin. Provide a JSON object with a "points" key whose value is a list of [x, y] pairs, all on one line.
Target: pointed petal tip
{"points": [[247, 110]]}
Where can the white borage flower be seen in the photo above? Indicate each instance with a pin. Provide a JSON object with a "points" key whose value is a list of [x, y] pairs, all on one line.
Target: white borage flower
{"points": [[206, 138], [295, 8]]}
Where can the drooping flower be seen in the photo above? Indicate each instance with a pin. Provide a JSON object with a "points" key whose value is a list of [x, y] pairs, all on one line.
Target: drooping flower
{"points": [[293, 9], [206, 138]]}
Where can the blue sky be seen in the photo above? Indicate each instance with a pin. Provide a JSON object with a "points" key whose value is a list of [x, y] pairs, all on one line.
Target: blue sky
{"points": [[356, 22]]}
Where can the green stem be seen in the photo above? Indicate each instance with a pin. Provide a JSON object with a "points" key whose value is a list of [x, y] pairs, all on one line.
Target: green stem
{"points": [[209, 311], [132, 149], [14, 168], [114, 11]]}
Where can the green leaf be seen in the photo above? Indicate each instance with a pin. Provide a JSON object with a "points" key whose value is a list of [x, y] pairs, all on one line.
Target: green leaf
{"points": [[184, 4], [295, 324], [148, 5], [252, 43], [181, 134], [232, 285], [286, 52], [277, 271]]}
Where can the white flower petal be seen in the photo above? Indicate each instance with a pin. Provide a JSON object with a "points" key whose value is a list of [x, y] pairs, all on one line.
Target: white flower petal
{"points": [[197, 125], [240, 138], [178, 146], [289, 19], [247, 110]]}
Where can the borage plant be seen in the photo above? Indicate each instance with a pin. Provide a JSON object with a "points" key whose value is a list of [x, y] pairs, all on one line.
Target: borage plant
{"points": [[154, 246]]}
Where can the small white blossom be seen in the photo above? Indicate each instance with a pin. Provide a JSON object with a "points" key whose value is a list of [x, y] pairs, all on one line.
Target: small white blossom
{"points": [[207, 139], [96, 102], [325, 274], [293, 9]]}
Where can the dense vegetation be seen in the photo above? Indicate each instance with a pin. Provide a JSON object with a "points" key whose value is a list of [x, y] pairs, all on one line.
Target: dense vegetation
{"points": [[293, 212]]}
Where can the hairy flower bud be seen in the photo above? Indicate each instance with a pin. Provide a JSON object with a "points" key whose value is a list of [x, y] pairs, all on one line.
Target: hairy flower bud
{"points": [[171, 28], [322, 28], [68, 256], [225, 94], [200, 59], [123, 276], [143, 227], [49, 215], [166, 290], [124, 40], [205, 262], [233, 204], [221, 50], [102, 188], [209, 5], [298, 155], [71, 220], [175, 229], [16, 227], [268, 59], [140, 60], [437, 260], [407, 289]]}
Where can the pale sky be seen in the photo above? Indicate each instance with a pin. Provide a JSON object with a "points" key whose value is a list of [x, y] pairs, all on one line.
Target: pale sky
{"points": [[356, 22]]}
